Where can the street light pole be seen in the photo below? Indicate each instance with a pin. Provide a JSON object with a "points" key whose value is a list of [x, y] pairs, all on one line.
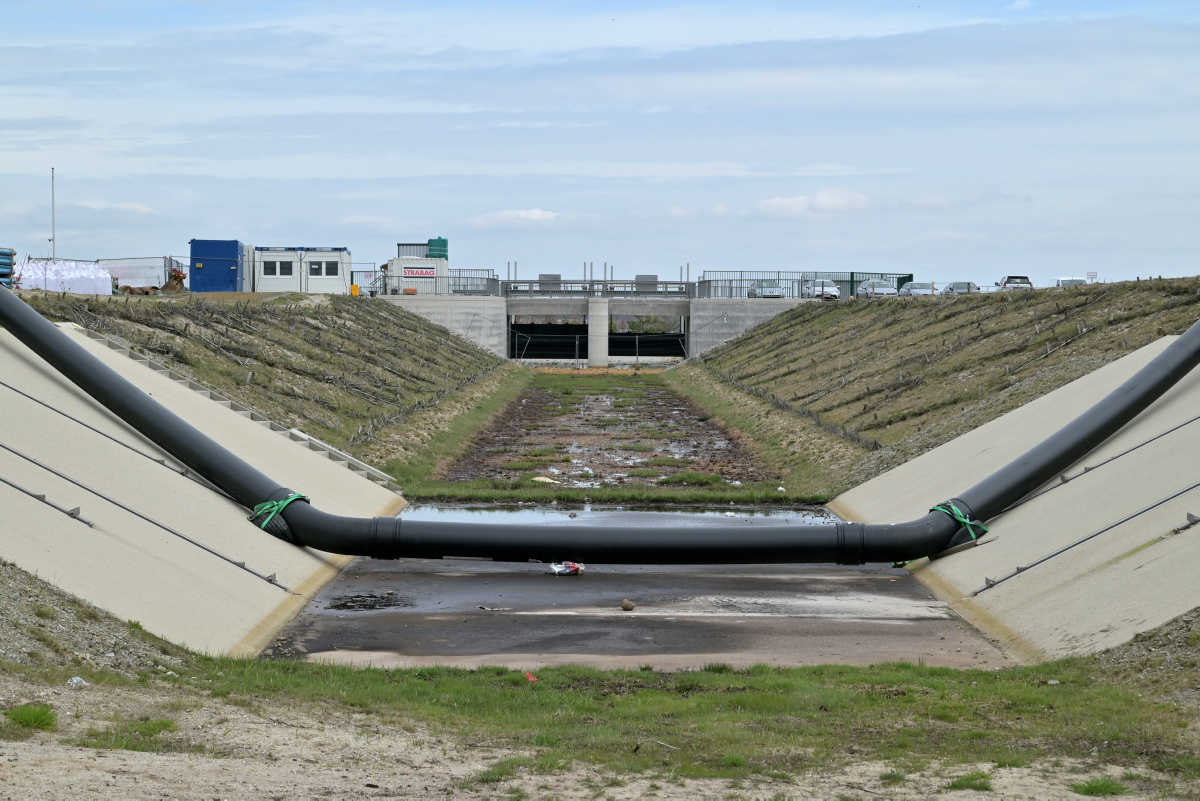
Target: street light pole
{"points": [[53, 229]]}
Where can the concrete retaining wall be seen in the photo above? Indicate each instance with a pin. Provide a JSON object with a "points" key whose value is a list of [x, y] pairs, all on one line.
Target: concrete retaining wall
{"points": [[482, 320], [717, 320]]}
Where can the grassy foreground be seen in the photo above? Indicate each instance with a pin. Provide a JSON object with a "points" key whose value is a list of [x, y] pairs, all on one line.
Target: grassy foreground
{"points": [[716, 722]]}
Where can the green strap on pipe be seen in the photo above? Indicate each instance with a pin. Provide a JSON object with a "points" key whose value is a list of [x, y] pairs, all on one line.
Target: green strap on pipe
{"points": [[958, 515], [272, 508], [967, 522]]}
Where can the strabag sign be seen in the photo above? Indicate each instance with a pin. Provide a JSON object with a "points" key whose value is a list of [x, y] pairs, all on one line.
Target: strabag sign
{"points": [[419, 272]]}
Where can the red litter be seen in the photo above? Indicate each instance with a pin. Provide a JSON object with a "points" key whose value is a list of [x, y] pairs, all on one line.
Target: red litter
{"points": [[531, 677]]}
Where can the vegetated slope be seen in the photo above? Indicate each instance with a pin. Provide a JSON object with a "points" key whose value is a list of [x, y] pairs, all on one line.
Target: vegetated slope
{"points": [[348, 371], [901, 376]]}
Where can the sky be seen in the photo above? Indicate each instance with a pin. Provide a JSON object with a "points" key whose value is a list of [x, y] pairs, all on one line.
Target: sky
{"points": [[952, 140]]}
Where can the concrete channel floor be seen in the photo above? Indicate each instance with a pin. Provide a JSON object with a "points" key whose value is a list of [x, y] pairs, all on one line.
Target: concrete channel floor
{"points": [[468, 613]]}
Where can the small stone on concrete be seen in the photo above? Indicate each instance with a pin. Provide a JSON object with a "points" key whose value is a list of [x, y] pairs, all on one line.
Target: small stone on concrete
{"points": [[628, 605]]}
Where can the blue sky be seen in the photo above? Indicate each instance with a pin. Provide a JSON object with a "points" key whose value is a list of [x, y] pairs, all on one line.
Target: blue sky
{"points": [[953, 140]]}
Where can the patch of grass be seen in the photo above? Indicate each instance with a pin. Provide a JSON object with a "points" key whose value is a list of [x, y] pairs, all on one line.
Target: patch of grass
{"points": [[734, 761], [667, 461], [501, 771], [142, 734], [975, 780], [892, 777], [644, 472], [35, 717], [692, 478], [1101, 785], [44, 612], [636, 447]]}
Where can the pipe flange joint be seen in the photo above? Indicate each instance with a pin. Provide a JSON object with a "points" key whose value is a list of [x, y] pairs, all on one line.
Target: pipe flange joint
{"points": [[851, 543]]}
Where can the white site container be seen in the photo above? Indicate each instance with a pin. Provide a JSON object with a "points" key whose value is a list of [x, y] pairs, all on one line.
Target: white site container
{"points": [[293, 269]]}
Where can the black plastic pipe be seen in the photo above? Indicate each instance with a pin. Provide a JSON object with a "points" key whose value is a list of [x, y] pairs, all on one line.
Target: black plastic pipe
{"points": [[390, 537]]}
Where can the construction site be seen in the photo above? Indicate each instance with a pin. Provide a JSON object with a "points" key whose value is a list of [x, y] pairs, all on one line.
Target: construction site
{"points": [[710, 539]]}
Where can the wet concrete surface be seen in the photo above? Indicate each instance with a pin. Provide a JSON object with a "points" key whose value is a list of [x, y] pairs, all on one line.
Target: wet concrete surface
{"points": [[470, 613]]}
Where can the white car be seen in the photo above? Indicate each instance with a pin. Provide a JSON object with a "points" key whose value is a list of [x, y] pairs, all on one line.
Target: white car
{"points": [[769, 288], [876, 288], [1070, 282], [1010, 282], [821, 288]]}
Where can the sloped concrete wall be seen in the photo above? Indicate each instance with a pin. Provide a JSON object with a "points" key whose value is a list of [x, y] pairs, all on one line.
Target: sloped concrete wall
{"points": [[1099, 594], [129, 566]]}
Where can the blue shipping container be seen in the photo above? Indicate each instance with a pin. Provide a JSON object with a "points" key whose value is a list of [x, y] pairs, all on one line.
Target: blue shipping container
{"points": [[217, 265]]}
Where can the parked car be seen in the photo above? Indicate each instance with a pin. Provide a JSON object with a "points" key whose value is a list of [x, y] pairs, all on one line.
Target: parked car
{"points": [[960, 288], [768, 288], [1070, 281], [917, 288], [876, 288], [1009, 282], [821, 288]]}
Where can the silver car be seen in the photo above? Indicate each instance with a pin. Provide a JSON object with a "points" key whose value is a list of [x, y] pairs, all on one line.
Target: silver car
{"points": [[769, 288], [876, 288], [821, 288], [961, 288], [917, 288]]}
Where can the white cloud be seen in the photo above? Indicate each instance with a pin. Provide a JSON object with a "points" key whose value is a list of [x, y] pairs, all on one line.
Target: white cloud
{"points": [[1019, 4], [838, 200], [720, 210], [514, 217], [680, 212], [786, 206], [827, 201]]}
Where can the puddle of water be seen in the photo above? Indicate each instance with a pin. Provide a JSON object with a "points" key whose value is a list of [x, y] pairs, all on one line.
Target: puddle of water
{"points": [[618, 516]]}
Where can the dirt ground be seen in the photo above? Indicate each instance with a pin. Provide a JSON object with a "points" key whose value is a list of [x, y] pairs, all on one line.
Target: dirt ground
{"points": [[600, 439]]}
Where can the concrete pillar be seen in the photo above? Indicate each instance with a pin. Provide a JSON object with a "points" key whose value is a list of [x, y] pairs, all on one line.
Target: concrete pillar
{"points": [[597, 316]]}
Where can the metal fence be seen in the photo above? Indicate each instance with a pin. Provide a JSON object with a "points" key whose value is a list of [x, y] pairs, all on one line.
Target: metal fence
{"points": [[784, 283], [558, 288], [143, 270]]}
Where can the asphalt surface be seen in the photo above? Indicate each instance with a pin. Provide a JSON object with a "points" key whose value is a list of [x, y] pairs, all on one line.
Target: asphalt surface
{"points": [[470, 613]]}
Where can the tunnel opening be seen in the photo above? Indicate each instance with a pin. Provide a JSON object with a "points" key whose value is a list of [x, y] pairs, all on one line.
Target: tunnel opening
{"points": [[639, 345], [548, 341]]}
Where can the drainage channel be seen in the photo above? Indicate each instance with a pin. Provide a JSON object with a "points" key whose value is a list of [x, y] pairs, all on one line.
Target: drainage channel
{"points": [[471, 612]]}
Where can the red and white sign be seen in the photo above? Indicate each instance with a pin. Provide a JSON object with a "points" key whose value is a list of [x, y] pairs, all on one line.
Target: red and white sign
{"points": [[419, 272]]}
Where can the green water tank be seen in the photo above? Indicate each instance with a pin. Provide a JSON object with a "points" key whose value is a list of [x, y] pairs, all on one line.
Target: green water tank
{"points": [[439, 248]]}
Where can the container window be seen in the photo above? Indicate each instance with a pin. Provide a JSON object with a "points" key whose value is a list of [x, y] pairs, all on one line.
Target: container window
{"points": [[314, 268], [268, 268], [331, 268], [285, 268]]}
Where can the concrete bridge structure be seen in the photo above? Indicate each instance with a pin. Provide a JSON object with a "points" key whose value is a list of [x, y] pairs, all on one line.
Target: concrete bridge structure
{"points": [[489, 321]]}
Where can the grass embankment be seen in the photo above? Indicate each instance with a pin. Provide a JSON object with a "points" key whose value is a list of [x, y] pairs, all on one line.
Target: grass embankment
{"points": [[901, 376], [348, 371]]}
